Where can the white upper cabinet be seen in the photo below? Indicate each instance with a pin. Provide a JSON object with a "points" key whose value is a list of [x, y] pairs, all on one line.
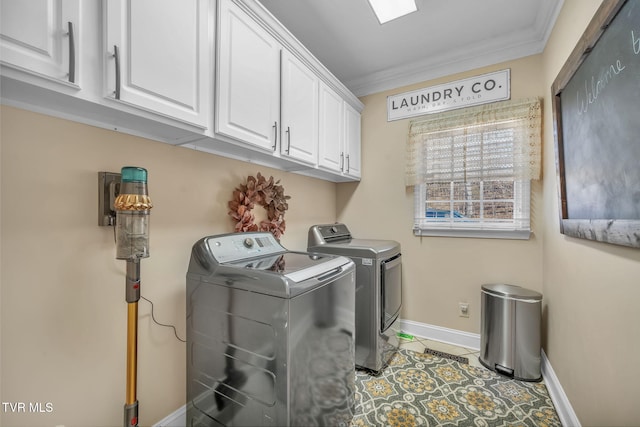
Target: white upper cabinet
{"points": [[339, 147], [248, 80], [331, 152], [267, 97], [299, 110], [222, 76], [41, 37], [352, 145], [157, 57]]}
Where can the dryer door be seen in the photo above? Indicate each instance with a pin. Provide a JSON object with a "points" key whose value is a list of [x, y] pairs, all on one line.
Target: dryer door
{"points": [[391, 280]]}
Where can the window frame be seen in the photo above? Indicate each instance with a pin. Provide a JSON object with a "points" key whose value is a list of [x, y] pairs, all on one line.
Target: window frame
{"points": [[424, 226], [442, 148]]}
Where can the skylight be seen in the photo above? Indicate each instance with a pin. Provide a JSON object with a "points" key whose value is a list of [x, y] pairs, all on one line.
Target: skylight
{"points": [[387, 10]]}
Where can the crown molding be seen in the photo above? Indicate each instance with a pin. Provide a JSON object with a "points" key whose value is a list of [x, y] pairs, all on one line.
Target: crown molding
{"points": [[481, 54], [430, 69]]}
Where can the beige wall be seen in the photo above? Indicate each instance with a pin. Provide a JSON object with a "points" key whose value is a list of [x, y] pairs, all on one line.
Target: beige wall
{"points": [[592, 290], [438, 272], [63, 307]]}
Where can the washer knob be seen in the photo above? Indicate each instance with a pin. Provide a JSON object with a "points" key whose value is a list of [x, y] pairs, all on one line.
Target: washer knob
{"points": [[248, 242], [334, 229]]}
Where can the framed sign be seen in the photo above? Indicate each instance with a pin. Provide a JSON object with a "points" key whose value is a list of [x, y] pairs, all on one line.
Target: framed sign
{"points": [[596, 105], [483, 89]]}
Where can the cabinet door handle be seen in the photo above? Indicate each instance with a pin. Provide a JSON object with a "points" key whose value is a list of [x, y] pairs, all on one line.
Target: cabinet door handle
{"points": [[342, 161], [72, 54], [275, 140], [116, 55], [347, 163], [288, 139]]}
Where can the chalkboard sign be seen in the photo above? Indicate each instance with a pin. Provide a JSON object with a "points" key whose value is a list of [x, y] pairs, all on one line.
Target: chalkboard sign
{"points": [[597, 129]]}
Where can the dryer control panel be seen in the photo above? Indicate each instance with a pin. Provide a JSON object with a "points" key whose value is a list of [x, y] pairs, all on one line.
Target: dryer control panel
{"points": [[239, 246], [328, 233]]}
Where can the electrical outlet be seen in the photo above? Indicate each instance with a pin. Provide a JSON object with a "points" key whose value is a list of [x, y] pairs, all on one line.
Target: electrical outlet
{"points": [[463, 309]]}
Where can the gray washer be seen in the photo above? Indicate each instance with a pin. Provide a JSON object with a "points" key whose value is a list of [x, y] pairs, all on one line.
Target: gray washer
{"points": [[269, 334], [378, 289]]}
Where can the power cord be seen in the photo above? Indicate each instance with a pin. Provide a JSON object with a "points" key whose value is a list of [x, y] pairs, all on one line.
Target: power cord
{"points": [[175, 331]]}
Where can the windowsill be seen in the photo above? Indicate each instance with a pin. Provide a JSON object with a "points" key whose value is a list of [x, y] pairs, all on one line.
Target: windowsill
{"points": [[477, 233]]}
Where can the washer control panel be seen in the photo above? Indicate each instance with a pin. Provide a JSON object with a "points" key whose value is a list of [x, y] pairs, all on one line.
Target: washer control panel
{"points": [[238, 246]]}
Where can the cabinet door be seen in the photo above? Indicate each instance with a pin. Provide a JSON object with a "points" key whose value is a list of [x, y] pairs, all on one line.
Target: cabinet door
{"points": [[40, 37], [331, 153], [352, 137], [248, 85], [299, 110], [162, 62]]}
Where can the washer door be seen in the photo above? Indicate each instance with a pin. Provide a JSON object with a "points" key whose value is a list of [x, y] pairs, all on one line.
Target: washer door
{"points": [[391, 288]]}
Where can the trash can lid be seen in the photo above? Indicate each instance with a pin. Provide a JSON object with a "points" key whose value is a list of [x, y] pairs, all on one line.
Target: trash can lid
{"points": [[511, 291]]}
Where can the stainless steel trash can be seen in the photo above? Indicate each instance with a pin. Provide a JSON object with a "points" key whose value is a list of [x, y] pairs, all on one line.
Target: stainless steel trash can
{"points": [[510, 331]]}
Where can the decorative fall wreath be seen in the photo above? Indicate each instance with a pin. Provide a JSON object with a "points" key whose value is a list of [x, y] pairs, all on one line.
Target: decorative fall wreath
{"points": [[266, 193]]}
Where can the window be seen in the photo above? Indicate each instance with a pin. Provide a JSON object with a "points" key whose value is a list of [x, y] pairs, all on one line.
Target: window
{"points": [[471, 170]]}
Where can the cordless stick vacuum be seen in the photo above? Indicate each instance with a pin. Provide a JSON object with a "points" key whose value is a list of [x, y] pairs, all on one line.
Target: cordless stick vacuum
{"points": [[132, 243]]}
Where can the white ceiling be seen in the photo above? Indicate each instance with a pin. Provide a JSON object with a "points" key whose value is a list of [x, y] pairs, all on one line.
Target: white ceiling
{"points": [[444, 37]]}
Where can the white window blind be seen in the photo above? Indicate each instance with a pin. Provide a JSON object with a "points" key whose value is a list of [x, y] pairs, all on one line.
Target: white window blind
{"points": [[471, 168]]}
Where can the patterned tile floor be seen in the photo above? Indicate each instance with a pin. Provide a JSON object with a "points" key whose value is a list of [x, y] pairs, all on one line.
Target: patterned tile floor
{"points": [[422, 390], [419, 344]]}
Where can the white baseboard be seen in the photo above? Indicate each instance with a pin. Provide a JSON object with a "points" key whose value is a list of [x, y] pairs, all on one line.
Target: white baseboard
{"points": [[563, 407], [438, 333], [565, 411], [178, 418]]}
